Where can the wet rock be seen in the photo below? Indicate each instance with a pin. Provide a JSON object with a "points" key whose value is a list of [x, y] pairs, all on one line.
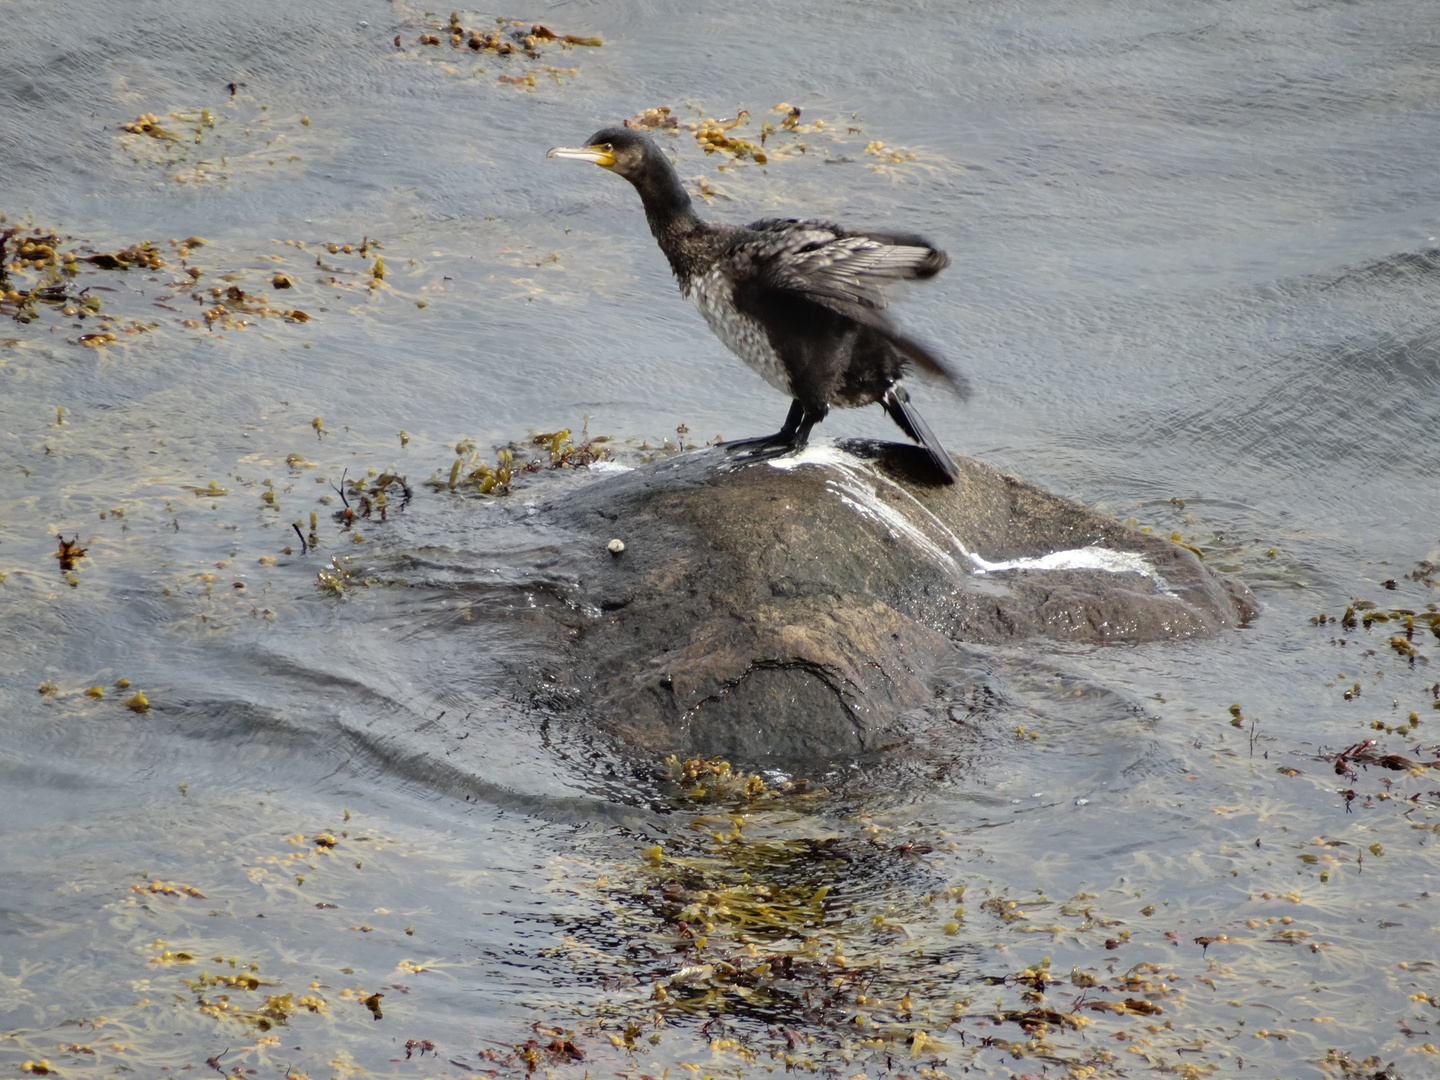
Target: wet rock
{"points": [[799, 608]]}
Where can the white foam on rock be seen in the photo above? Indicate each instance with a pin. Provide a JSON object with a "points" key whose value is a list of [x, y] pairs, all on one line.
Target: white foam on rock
{"points": [[821, 452], [861, 494], [1086, 558]]}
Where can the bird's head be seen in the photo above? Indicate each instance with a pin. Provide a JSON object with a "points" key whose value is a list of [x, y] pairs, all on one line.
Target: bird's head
{"points": [[622, 151]]}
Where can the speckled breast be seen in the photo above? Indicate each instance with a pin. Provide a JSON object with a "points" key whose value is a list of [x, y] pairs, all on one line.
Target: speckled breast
{"points": [[742, 335]]}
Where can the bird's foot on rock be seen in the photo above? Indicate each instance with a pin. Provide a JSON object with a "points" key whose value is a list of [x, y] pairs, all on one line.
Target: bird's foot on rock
{"points": [[791, 437], [762, 447], [788, 440]]}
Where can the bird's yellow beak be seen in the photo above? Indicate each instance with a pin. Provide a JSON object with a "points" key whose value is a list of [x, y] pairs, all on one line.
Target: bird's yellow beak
{"points": [[598, 154]]}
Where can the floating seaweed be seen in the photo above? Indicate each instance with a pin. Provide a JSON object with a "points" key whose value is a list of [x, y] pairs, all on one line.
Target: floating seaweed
{"points": [[167, 888], [69, 552], [233, 304], [797, 949], [505, 39], [713, 135], [789, 137], [661, 119], [561, 452], [142, 255], [58, 265], [149, 124]]}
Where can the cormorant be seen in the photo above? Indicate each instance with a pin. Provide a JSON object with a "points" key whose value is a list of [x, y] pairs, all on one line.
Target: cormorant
{"points": [[801, 302]]}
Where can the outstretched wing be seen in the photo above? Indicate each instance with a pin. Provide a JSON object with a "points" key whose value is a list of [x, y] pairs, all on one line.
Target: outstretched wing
{"points": [[843, 271], [834, 266]]}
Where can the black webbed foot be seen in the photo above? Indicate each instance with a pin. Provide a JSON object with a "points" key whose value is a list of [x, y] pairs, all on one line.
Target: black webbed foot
{"points": [[792, 436], [761, 446]]}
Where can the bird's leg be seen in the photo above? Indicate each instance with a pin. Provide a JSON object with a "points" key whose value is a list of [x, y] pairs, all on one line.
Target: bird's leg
{"points": [[793, 435], [808, 419], [781, 438]]}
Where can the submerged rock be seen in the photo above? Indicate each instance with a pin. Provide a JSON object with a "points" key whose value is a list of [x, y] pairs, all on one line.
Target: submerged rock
{"points": [[798, 608]]}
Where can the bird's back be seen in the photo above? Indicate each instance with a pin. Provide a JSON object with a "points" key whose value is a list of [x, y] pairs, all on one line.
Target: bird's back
{"points": [[802, 302]]}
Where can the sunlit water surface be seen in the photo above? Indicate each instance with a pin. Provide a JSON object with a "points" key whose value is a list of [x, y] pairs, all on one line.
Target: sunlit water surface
{"points": [[1195, 283]]}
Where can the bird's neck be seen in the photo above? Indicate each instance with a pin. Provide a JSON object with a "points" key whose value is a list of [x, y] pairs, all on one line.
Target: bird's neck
{"points": [[674, 224]]}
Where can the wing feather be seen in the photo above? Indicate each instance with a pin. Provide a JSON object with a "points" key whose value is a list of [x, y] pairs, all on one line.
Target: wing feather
{"points": [[841, 270], [834, 266]]}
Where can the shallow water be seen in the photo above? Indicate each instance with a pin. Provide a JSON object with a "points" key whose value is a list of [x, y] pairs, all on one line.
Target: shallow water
{"points": [[1195, 259]]}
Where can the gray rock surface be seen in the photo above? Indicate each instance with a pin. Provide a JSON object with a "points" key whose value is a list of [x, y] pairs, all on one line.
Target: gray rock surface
{"points": [[798, 608]]}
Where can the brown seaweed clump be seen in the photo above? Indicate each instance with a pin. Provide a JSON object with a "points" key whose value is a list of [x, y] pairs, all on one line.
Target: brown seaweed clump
{"points": [[508, 37], [561, 452], [233, 304]]}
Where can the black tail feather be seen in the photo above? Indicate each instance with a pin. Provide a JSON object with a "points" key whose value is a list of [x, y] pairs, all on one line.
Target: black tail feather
{"points": [[896, 402]]}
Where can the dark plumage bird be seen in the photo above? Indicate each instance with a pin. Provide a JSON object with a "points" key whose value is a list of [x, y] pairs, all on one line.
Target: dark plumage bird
{"points": [[801, 302]]}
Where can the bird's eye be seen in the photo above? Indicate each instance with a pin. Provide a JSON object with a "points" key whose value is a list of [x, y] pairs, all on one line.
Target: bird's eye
{"points": [[609, 147]]}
